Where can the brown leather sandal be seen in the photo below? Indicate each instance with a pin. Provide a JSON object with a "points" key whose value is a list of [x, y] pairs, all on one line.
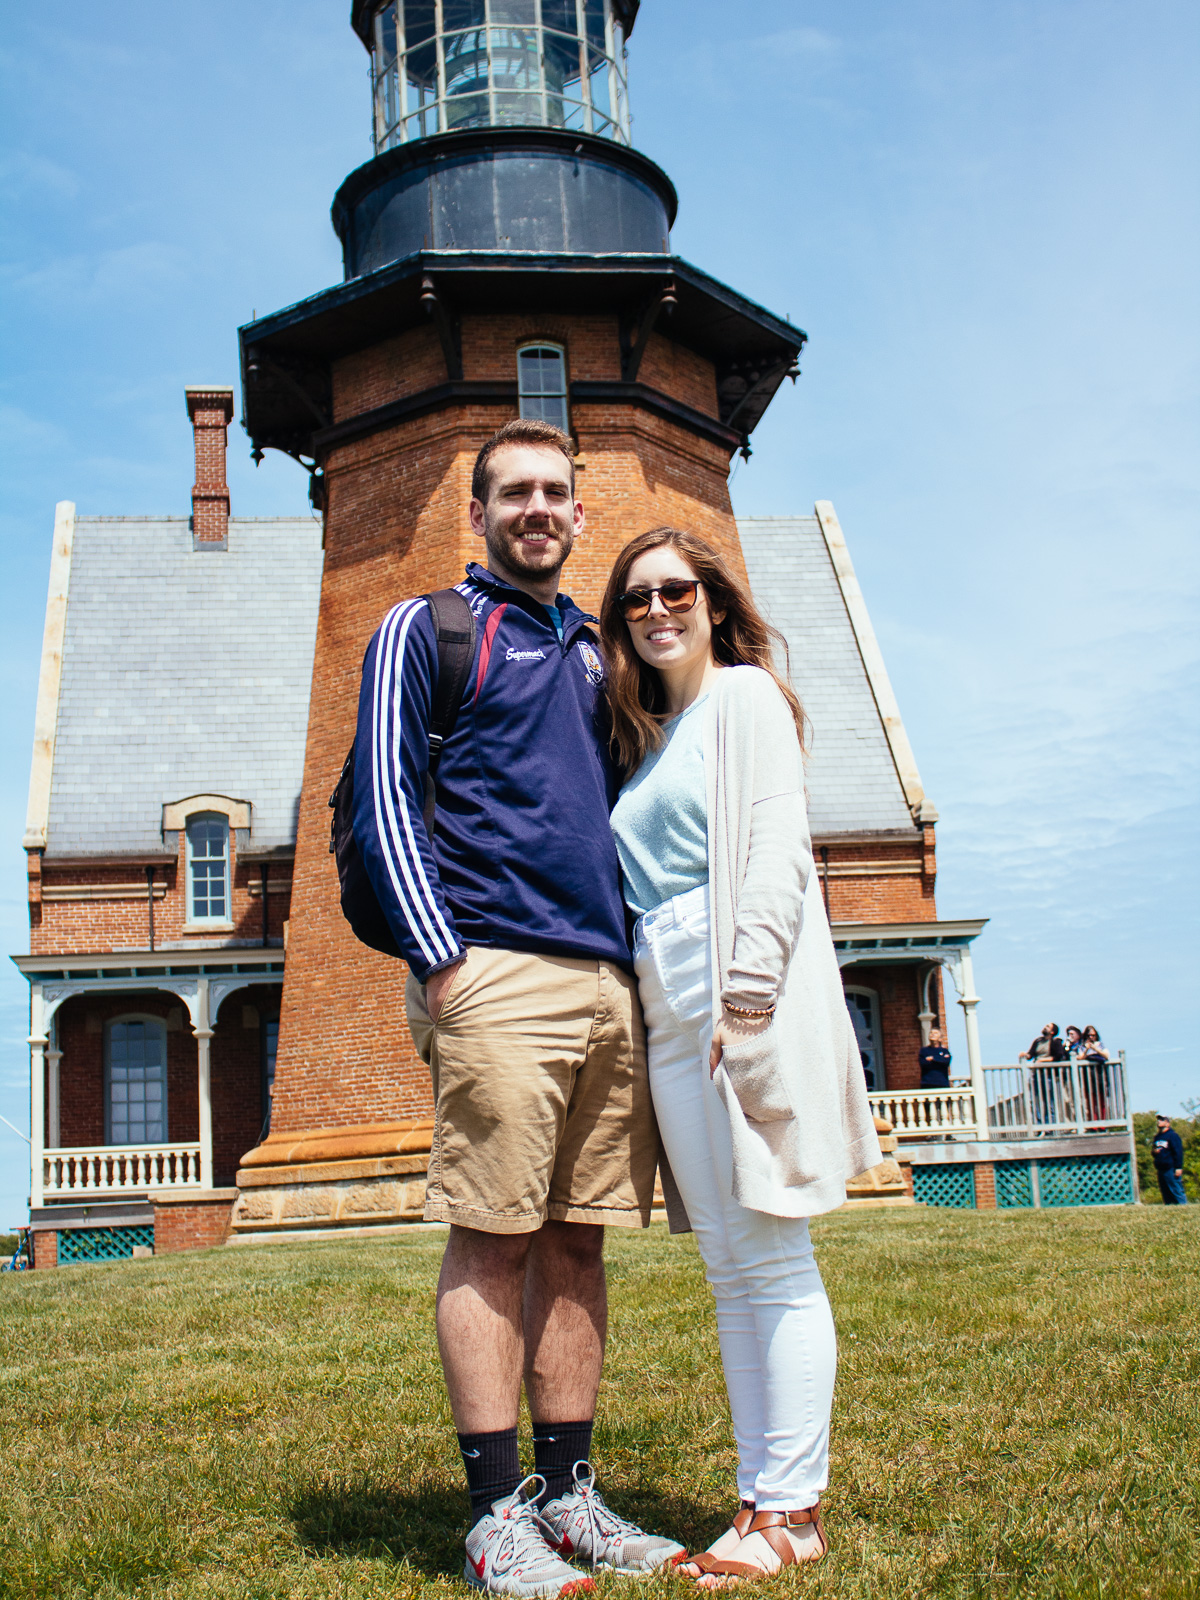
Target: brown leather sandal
{"points": [[769, 1524], [704, 1561]]}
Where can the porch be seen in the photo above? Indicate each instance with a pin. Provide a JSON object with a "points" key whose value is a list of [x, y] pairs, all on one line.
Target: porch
{"points": [[1065, 1099], [136, 1077]]}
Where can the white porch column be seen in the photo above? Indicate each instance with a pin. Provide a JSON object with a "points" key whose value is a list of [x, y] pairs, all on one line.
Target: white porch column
{"points": [[37, 1093], [204, 1083], [53, 1057], [968, 1000]]}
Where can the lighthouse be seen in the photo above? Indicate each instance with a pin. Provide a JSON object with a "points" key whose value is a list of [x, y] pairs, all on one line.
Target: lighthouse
{"points": [[507, 253]]}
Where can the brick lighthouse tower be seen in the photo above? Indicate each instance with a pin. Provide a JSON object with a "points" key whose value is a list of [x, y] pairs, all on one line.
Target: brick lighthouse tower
{"points": [[507, 252]]}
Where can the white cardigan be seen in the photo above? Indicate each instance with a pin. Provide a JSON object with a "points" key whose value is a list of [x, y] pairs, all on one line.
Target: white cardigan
{"points": [[795, 1093]]}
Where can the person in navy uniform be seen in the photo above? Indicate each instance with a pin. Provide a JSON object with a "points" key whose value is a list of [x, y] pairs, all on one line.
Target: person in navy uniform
{"points": [[1167, 1150], [935, 1061]]}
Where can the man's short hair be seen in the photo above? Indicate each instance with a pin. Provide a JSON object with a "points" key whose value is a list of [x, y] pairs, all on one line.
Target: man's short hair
{"points": [[523, 430]]}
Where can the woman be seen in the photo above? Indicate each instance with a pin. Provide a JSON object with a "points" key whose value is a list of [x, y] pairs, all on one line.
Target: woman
{"points": [[1091, 1046], [754, 1072], [934, 1060], [1074, 1044]]}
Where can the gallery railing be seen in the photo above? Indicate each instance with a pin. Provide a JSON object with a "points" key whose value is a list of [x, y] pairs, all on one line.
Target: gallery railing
{"points": [[929, 1113], [120, 1169], [1060, 1097]]}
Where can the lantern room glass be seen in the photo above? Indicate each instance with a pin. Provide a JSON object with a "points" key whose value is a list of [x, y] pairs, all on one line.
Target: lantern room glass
{"points": [[441, 65]]}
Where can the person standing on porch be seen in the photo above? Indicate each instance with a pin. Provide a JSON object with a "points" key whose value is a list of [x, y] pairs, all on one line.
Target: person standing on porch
{"points": [[522, 1001], [754, 1069], [934, 1061]]}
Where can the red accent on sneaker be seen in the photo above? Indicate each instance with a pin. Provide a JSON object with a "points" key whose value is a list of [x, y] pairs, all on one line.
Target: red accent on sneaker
{"points": [[565, 1547], [478, 1563]]}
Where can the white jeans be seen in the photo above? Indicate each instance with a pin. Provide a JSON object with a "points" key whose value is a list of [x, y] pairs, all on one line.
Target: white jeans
{"points": [[778, 1346]]}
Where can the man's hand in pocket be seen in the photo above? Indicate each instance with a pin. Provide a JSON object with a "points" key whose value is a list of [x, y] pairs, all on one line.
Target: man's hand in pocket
{"points": [[437, 986]]}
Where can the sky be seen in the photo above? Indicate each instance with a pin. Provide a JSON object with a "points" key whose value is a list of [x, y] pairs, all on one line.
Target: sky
{"points": [[985, 215]]}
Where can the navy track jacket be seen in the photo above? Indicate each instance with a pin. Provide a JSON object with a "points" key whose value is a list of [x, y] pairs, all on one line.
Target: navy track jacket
{"points": [[522, 856]]}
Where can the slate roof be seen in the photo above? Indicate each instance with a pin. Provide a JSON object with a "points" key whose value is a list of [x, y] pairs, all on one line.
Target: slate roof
{"points": [[188, 672], [852, 780], [184, 672]]}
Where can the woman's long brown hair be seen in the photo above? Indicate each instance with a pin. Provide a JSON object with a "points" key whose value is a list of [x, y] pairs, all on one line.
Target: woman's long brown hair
{"points": [[743, 637]]}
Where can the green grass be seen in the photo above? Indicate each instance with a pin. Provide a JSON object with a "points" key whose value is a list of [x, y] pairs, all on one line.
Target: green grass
{"points": [[1018, 1413]]}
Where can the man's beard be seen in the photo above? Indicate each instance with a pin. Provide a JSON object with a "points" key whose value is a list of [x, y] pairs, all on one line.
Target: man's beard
{"points": [[505, 549]]}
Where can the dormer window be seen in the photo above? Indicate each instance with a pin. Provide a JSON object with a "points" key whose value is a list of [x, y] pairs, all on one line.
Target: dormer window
{"points": [[542, 383], [208, 867]]}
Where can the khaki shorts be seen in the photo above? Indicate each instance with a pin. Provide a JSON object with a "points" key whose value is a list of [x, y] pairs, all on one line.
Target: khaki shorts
{"points": [[541, 1092]]}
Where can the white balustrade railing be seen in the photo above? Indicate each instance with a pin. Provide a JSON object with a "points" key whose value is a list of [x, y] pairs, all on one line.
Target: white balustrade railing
{"points": [[929, 1113], [117, 1169], [1023, 1102], [1060, 1097]]}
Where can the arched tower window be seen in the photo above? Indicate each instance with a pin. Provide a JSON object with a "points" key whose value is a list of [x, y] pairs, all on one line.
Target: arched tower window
{"points": [[208, 867], [863, 1005], [135, 1081], [542, 383]]}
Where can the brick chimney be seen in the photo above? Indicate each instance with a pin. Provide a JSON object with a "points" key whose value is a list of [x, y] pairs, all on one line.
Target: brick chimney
{"points": [[211, 410]]}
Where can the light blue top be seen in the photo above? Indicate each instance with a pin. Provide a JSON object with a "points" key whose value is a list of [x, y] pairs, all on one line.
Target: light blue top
{"points": [[660, 821], [556, 618]]}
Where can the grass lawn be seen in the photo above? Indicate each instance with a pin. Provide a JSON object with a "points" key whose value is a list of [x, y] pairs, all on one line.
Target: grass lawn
{"points": [[1018, 1413]]}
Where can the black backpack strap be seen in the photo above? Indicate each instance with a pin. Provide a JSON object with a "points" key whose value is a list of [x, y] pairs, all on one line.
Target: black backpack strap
{"points": [[454, 624]]}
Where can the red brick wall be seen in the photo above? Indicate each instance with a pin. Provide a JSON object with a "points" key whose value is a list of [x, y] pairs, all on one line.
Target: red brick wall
{"points": [[81, 1071], [235, 1069], [195, 1225], [898, 988], [985, 1186], [45, 1249], [396, 524], [892, 896], [80, 927], [236, 1077]]}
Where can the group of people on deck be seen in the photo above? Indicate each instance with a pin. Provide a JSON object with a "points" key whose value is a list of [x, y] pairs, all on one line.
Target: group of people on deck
{"points": [[1079, 1044]]}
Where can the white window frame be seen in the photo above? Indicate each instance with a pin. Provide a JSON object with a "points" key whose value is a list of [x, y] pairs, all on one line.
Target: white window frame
{"points": [[560, 350], [113, 1022], [879, 1065], [225, 920]]}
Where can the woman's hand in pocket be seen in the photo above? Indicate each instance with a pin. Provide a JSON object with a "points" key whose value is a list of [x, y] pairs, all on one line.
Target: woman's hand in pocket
{"points": [[730, 1029], [437, 986]]}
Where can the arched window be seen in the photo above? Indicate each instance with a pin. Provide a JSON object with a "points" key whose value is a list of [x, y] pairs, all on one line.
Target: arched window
{"points": [[863, 1005], [208, 867], [135, 1081], [542, 383]]}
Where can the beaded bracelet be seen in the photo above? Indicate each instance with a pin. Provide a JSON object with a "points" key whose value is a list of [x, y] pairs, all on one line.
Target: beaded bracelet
{"points": [[745, 1011]]}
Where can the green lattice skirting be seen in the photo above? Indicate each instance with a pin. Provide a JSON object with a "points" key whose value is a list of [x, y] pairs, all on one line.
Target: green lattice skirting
{"points": [[1086, 1181], [102, 1244], [945, 1186]]}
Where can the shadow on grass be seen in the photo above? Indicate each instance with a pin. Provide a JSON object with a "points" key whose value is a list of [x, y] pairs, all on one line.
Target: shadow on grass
{"points": [[424, 1524]]}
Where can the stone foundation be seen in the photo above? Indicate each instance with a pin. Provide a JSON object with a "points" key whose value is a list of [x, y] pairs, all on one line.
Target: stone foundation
{"points": [[889, 1183], [372, 1174]]}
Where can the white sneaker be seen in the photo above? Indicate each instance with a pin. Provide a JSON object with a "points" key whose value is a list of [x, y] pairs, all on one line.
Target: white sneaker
{"points": [[580, 1524], [507, 1551]]}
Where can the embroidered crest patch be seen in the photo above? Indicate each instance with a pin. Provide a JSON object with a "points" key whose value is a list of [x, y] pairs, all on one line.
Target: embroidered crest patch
{"points": [[592, 661]]}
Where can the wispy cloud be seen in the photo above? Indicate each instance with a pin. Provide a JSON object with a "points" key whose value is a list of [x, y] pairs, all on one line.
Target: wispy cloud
{"points": [[105, 274]]}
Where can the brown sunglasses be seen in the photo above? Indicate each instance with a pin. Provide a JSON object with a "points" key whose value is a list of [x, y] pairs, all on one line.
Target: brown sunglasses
{"points": [[677, 595]]}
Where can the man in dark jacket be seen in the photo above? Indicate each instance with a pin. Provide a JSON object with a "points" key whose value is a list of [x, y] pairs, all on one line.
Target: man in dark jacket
{"points": [[1167, 1150], [522, 1000]]}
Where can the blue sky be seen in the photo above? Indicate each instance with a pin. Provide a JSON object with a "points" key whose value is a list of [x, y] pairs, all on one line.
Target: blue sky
{"points": [[985, 215]]}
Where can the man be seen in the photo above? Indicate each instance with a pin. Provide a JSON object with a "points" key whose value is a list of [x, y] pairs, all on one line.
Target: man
{"points": [[1167, 1149], [521, 999]]}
